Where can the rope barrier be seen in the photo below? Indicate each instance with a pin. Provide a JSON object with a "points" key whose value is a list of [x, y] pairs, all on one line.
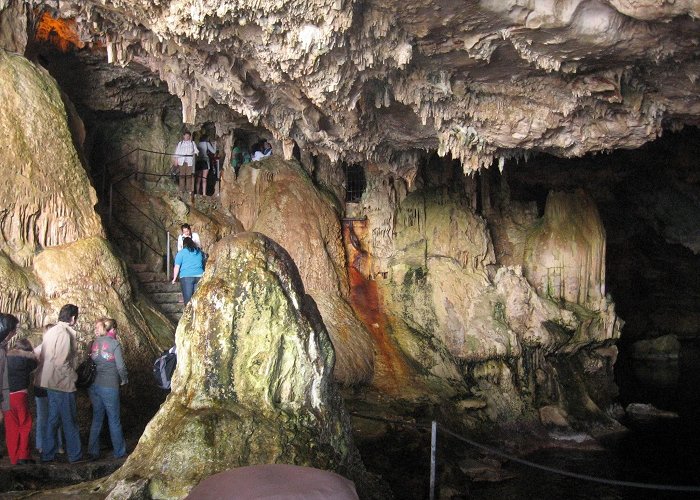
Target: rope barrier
{"points": [[553, 470], [585, 477]]}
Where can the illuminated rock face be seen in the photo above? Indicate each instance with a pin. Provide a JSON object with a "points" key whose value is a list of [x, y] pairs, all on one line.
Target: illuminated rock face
{"points": [[13, 32], [253, 383], [279, 199], [428, 292], [565, 253], [450, 317], [481, 80], [53, 248]]}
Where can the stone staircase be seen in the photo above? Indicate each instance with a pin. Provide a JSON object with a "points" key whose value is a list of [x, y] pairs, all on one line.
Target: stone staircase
{"points": [[166, 296]]}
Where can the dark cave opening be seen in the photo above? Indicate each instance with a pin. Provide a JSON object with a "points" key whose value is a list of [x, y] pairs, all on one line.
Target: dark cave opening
{"points": [[355, 182]]}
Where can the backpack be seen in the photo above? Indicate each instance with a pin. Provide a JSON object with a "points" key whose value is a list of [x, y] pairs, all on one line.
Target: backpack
{"points": [[164, 367]]}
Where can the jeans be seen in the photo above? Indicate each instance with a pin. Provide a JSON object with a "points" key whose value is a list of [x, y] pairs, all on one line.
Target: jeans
{"points": [[42, 413], [62, 411], [188, 286], [105, 400]]}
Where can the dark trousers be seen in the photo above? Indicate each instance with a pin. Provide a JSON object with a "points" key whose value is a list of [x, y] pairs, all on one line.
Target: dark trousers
{"points": [[188, 286]]}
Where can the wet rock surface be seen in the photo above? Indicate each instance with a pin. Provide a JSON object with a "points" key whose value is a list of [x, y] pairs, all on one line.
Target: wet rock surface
{"points": [[279, 199]]}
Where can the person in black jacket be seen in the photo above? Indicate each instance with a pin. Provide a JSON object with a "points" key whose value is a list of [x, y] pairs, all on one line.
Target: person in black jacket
{"points": [[21, 362], [8, 328]]}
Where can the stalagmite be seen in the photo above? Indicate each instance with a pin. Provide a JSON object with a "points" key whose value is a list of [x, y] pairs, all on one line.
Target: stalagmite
{"points": [[253, 381]]}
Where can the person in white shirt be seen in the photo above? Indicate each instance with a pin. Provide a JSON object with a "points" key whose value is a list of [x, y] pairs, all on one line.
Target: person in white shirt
{"points": [[185, 154], [260, 151], [187, 233], [203, 165]]}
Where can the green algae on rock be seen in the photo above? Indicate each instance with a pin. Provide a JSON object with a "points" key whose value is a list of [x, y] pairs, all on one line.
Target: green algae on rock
{"points": [[278, 198]]}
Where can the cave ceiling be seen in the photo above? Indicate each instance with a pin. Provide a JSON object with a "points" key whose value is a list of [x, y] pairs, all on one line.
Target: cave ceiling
{"points": [[373, 80]]}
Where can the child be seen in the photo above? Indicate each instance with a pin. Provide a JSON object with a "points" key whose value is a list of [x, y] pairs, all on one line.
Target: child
{"points": [[18, 421]]}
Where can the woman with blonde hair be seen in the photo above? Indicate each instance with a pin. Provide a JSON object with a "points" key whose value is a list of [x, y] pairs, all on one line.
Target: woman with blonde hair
{"points": [[104, 391]]}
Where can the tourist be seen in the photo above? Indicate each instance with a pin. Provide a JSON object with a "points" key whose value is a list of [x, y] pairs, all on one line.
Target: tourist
{"points": [[261, 150], [41, 401], [8, 328], [184, 157], [236, 157], [59, 352], [104, 391], [21, 362], [255, 152], [186, 232], [189, 265], [203, 165]]}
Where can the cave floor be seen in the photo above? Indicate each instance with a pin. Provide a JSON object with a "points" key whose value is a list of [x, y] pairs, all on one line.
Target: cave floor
{"points": [[19, 481]]}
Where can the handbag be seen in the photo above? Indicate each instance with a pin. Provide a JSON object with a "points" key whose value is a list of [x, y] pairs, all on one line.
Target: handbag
{"points": [[87, 371]]}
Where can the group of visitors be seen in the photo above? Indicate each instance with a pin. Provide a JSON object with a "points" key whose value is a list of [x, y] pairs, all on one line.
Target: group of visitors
{"points": [[54, 363], [240, 155], [194, 160]]}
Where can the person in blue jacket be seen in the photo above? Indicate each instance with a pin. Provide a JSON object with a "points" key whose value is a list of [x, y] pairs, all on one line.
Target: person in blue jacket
{"points": [[189, 266]]}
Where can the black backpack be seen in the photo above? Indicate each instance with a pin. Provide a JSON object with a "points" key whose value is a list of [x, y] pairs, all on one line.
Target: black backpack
{"points": [[164, 367]]}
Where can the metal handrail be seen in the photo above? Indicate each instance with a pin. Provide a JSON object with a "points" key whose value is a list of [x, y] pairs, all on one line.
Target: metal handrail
{"points": [[126, 228], [121, 157], [126, 155], [138, 151], [159, 224]]}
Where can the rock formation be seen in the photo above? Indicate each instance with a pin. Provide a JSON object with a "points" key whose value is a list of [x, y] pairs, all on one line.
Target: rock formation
{"points": [[447, 300], [481, 80], [427, 286], [52, 245], [253, 382], [278, 199]]}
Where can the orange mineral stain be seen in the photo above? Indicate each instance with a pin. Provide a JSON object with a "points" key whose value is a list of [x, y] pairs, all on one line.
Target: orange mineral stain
{"points": [[391, 370]]}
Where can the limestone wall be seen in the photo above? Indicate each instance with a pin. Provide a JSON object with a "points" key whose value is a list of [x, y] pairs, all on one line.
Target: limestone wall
{"points": [[278, 198], [52, 244], [455, 314]]}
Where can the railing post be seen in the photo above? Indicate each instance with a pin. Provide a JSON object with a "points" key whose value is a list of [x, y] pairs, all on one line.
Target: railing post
{"points": [[218, 177], [167, 255], [111, 191], [104, 179], [433, 443]]}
